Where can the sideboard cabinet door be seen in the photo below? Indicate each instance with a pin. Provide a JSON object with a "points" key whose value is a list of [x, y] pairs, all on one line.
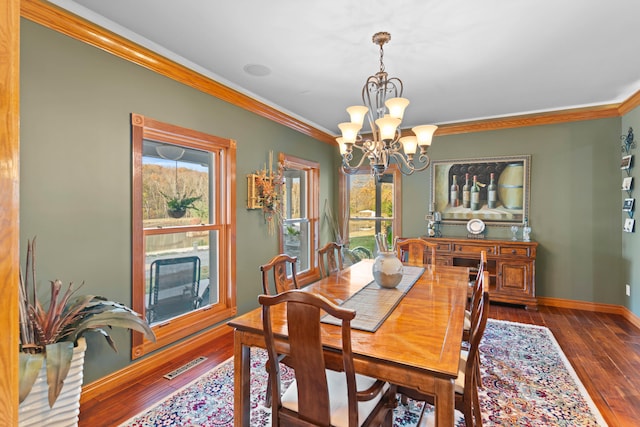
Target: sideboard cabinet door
{"points": [[515, 278]]}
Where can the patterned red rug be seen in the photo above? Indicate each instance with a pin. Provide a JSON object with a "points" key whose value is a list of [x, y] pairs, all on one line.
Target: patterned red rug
{"points": [[527, 381]]}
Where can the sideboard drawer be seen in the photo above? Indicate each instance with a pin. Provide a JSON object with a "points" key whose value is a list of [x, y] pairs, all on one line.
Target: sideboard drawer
{"points": [[514, 250], [473, 249], [443, 247]]}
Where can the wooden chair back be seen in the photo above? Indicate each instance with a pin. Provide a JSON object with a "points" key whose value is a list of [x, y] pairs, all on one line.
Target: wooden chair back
{"points": [[481, 282], [470, 403], [330, 258], [306, 356], [279, 266], [416, 251]]}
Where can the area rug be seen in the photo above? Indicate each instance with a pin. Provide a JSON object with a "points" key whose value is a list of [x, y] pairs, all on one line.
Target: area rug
{"points": [[527, 381]]}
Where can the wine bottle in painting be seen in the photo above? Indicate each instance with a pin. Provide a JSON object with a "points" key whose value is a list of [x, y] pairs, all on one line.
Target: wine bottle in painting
{"points": [[492, 192], [466, 192], [475, 194], [454, 192]]}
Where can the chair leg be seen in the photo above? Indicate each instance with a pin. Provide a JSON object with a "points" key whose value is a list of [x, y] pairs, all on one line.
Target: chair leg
{"points": [[388, 418], [477, 414], [421, 415], [468, 415], [267, 398], [404, 399]]}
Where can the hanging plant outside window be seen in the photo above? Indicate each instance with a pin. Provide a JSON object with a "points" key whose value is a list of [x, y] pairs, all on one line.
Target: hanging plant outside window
{"points": [[178, 205]]}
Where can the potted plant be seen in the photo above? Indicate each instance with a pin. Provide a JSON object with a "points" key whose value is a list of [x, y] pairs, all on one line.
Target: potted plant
{"points": [[292, 234], [177, 206], [52, 338]]}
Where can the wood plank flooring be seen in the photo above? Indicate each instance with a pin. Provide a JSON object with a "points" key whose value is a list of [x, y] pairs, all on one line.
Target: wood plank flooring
{"points": [[604, 350]]}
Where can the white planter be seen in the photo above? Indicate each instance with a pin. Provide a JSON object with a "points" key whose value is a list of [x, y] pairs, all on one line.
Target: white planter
{"points": [[34, 410]]}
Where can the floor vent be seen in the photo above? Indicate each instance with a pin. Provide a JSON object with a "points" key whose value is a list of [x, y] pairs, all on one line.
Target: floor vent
{"points": [[184, 368]]}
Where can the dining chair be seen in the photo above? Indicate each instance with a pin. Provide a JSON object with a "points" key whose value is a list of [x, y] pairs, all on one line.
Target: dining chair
{"points": [[466, 385], [479, 289], [283, 270], [319, 396], [416, 251], [278, 268], [330, 258], [479, 285]]}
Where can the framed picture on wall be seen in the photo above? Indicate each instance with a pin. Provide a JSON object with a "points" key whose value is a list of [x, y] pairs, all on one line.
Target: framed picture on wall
{"points": [[629, 224], [627, 182], [627, 206], [500, 197], [626, 162]]}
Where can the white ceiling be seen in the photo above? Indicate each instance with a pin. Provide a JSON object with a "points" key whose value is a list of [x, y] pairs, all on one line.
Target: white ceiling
{"points": [[459, 60]]}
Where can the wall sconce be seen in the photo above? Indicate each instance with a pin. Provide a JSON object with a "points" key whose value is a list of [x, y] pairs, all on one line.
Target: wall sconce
{"points": [[628, 141]]}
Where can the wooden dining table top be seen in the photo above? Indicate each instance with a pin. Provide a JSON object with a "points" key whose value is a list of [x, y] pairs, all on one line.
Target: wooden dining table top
{"points": [[422, 334]]}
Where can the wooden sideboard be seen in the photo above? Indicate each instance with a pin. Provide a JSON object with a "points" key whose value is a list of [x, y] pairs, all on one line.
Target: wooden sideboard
{"points": [[511, 265]]}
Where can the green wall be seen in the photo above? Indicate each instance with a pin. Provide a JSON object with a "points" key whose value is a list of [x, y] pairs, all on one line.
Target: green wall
{"points": [[575, 202], [630, 242], [76, 180], [76, 168]]}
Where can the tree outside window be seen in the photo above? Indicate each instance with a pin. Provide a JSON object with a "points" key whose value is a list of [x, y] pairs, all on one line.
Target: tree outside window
{"points": [[373, 207]]}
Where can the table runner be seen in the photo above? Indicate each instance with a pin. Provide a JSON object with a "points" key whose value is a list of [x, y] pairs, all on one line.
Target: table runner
{"points": [[373, 303]]}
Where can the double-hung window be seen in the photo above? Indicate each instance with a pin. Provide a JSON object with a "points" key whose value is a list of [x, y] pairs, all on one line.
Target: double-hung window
{"points": [[300, 212], [183, 230]]}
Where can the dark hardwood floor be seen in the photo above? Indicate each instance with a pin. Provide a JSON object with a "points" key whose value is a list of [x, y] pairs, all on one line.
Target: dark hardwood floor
{"points": [[604, 350]]}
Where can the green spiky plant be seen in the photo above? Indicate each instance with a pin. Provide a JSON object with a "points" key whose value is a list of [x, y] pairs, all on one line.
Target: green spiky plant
{"points": [[52, 333], [181, 202]]}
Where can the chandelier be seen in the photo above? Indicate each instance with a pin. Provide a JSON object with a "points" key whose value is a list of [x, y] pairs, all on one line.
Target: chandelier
{"points": [[384, 107]]}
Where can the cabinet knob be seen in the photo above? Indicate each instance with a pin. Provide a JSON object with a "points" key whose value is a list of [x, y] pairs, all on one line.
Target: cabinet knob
{"points": [[513, 251]]}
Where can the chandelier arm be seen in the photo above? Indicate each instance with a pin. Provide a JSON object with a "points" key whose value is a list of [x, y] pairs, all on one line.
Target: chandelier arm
{"points": [[346, 166], [403, 162], [395, 143], [424, 157], [397, 88], [365, 145], [409, 167]]}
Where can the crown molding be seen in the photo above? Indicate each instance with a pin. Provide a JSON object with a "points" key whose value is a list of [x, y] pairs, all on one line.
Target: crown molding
{"points": [[629, 104], [538, 119], [62, 21]]}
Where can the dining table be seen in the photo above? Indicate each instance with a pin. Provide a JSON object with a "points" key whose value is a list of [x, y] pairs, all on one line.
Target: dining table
{"points": [[416, 343]]}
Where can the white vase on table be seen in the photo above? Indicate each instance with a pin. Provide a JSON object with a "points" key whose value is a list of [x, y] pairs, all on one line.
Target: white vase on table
{"points": [[387, 269]]}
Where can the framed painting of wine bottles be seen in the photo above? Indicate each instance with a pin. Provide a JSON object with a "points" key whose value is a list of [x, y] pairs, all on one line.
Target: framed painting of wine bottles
{"points": [[495, 190]]}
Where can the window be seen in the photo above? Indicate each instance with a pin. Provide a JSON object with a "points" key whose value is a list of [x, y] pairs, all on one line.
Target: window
{"points": [[301, 212], [372, 206], [183, 226]]}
